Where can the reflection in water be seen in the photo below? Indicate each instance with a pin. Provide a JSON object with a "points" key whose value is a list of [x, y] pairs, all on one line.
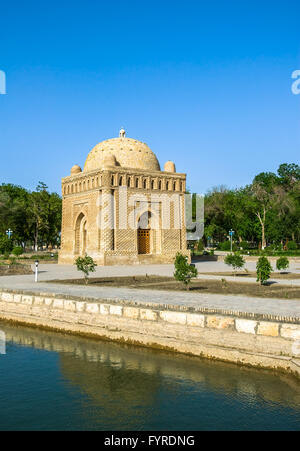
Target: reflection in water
{"points": [[121, 387]]}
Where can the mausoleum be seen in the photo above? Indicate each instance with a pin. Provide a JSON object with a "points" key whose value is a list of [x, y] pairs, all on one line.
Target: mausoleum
{"points": [[122, 208]]}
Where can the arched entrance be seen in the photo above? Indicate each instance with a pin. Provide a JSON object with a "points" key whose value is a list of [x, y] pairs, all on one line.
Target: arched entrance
{"points": [[81, 235], [144, 230], [144, 241]]}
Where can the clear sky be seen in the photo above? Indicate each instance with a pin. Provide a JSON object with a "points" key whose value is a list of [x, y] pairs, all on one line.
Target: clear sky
{"points": [[204, 83]]}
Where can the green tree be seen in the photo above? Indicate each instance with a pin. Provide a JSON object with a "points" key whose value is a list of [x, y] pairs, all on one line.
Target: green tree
{"points": [[33, 217], [6, 244], [39, 204], [55, 217], [45, 209], [292, 246], [289, 173], [184, 272], [236, 261], [244, 245], [268, 210], [200, 245], [86, 265], [17, 251], [282, 263], [13, 211], [263, 270], [262, 195]]}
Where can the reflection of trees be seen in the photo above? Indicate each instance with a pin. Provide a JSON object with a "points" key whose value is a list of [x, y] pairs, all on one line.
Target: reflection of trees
{"points": [[118, 378]]}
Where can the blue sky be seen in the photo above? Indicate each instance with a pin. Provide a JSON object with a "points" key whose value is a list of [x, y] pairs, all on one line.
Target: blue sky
{"points": [[206, 84]]}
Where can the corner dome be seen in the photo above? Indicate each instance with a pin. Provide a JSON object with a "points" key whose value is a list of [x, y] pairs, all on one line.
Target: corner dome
{"points": [[109, 160], [125, 152], [76, 169], [170, 166]]}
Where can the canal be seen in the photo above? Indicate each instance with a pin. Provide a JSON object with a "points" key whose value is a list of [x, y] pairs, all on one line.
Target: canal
{"points": [[52, 381]]}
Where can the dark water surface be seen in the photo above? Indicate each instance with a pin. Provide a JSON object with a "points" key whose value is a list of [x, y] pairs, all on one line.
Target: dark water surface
{"points": [[52, 381]]}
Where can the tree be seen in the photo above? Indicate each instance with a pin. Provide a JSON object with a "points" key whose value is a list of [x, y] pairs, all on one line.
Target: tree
{"points": [[13, 212], [263, 270], [262, 196], [17, 251], [229, 209], [292, 246], [266, 179], [272, 202], [184, 272], [282, 263], [6, 244], [200, 245], [214, 208], [45, 211], [32, 216], [268, 210], [86, 265], [39, 200], [289, 173], [235, 260], [54, 218]]}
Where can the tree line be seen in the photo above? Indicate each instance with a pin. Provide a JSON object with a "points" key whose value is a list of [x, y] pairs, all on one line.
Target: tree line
{"points": [[265, 212], [33, 217]]}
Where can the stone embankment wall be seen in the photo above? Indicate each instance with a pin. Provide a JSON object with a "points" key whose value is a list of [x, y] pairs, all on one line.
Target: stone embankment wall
{"points": [[261, 341]]}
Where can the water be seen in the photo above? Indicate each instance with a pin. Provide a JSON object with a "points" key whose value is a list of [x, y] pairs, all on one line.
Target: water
{"points": [[52, 381]]}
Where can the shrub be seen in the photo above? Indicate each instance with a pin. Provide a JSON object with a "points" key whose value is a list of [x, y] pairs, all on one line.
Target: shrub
{"points": [[235, 260], [282, 263], [17, 251], [6, 244], [244, 245], [200, 246], [184, 272], [275, 247], [224, 283], [86, 265], [263, 270], [226, 246], [291, 246]]}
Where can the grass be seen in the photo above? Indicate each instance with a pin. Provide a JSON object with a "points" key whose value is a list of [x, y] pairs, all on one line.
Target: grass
{"points": [[39, 257], [29, 259]]}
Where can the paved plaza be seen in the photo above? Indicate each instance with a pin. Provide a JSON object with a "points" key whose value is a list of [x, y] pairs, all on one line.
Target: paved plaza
{"points": [[230, 303]]}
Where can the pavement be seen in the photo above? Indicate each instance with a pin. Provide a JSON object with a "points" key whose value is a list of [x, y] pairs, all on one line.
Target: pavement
{"points": [[216, 302]]}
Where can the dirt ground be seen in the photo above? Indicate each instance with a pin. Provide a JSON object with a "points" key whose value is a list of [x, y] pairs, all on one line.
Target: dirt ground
{"points": [[202, 286], [13, 270], [244, 274]]}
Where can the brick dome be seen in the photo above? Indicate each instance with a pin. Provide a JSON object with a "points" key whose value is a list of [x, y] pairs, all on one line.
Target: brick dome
{"points": [[127, 152], [170, 166], [75, 169]]}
